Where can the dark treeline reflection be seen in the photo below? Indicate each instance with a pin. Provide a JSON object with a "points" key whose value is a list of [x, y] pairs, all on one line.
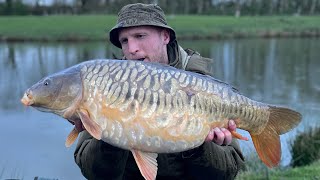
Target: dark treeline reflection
{"points": [[275, 71]]}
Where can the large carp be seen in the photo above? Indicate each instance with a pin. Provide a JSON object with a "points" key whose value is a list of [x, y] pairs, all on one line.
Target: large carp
{"points": [[149, 108]]}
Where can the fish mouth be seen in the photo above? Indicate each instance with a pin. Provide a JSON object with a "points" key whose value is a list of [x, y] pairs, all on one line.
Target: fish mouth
{"points": [[27, 99]]}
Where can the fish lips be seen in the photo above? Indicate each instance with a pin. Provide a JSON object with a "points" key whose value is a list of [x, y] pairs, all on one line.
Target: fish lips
{"points": [[27, 99]]}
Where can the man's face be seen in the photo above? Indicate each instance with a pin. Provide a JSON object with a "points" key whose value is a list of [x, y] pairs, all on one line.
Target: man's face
{"points": [[146, 43]]}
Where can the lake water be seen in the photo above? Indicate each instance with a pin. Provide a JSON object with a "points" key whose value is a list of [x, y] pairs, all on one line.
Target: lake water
{"points": [[276, 71]]}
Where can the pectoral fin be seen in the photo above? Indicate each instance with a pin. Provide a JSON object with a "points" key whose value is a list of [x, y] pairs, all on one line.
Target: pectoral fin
{"points": [[72, 137], [91, 126], [147, 163]]}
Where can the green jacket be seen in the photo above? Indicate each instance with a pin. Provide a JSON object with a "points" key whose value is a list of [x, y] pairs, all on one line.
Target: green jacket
{"points": [[99, 160]]}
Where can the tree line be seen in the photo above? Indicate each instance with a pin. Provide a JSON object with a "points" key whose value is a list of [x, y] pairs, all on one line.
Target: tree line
{"points": [[196, 7]]}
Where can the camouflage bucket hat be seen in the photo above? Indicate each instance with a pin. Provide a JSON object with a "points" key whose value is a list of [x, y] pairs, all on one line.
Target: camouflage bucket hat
{"points": [[139, 15]]}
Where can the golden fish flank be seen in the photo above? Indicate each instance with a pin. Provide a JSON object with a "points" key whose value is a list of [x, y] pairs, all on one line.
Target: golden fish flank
{"points": [[151, 108], [146, 96]]}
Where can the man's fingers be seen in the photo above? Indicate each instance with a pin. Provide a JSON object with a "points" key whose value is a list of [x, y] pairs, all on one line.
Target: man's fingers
{"points": [[222, 136], [210, 136], [218, 137], [227, 136], [232, 125]]}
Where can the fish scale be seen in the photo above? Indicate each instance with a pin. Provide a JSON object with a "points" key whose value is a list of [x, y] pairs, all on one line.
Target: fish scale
{"points": [[149, 108]]}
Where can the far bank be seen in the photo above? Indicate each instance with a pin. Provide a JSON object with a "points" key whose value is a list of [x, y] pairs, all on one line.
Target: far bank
{"points": [[96, 27]]}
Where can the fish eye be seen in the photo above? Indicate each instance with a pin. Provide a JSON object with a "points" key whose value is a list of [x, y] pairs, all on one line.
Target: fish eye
{"points": [[46, 82]]}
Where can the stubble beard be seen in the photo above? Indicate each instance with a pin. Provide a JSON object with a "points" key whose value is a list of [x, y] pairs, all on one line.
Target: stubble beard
{"points": [[162, 57]]}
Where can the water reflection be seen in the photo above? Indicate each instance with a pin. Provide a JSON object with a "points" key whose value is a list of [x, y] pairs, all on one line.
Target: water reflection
{"points": [[276, 71]]}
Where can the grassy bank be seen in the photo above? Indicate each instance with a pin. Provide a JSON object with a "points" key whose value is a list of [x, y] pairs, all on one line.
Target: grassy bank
{"points": [[305, 172], [95, 27]]}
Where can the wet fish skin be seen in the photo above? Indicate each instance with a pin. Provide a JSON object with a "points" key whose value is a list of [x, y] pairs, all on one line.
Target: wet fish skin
{"points": [[151, 108], [183, 114]]}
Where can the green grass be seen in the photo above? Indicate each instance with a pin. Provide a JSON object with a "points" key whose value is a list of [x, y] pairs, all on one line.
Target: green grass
{"points": [[96, 27], [305, 172]]}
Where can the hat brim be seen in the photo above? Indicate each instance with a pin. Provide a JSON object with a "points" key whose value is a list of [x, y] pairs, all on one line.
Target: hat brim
{"points": [[114, 32]]}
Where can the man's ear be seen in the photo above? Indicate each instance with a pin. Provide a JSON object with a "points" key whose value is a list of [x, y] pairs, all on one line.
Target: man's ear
{"points": [[166, 36]]}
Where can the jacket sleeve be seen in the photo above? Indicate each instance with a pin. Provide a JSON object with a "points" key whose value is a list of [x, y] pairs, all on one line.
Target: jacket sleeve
{"points": [[98, 160], [212, 160]]}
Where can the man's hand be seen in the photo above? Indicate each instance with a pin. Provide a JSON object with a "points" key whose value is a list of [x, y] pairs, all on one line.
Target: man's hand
{"points": [[222, 136]]}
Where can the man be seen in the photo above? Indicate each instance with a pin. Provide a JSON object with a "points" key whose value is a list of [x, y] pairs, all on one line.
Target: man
{"points": [[143, 34]]}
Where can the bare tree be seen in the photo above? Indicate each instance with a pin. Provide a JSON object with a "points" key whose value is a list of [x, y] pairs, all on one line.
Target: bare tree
{"points": [[200, 6], [238, 8], [313, 6], [186, 7], [271, 8]]}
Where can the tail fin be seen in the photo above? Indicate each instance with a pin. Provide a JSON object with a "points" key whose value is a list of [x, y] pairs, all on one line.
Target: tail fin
{"points": [[267, 143]]}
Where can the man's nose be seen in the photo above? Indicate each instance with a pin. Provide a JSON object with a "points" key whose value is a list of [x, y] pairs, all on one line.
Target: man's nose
{"points": [[133, 47]]}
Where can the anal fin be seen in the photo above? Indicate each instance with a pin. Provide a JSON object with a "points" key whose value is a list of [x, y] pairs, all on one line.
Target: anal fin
{"points": [[147, 163]]}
